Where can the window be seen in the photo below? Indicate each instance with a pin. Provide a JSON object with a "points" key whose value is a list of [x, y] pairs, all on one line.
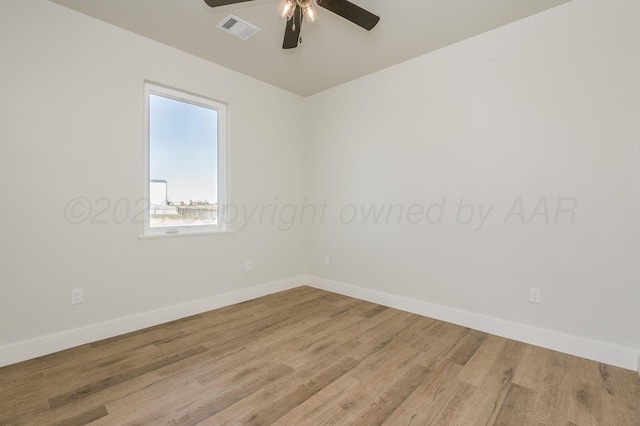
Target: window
{"points": [[185, 173]]}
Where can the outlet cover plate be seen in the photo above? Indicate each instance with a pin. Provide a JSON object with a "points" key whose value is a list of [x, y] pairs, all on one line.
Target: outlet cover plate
{"points": [[76, 296], [534, 295]]}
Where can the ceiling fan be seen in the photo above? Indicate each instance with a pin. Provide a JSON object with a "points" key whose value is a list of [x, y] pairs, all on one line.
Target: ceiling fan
{"points": [[296, 11]]}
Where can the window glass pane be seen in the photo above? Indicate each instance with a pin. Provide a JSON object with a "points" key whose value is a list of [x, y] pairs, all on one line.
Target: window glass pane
{"points": [[183, 163]]}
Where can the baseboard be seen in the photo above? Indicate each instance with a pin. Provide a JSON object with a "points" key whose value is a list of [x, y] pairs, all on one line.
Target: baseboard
{"points": [[591, 349], [566, 343], [29, 349]]}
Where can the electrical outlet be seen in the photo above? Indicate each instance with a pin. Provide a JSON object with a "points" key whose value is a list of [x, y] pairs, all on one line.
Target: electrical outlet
{"points": [[534, 295], [248, 267], [76, 296], [327, 260]]}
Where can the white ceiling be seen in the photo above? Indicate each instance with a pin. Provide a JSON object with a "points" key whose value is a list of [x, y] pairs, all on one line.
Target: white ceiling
{"points": [[333, 51]]}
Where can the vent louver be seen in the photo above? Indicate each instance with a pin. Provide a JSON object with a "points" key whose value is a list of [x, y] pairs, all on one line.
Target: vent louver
{"points": [[237, 27]]}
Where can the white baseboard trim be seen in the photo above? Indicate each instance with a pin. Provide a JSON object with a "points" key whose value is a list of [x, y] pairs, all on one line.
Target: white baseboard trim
{"points": [[29, 349], [591, 349], [579, 346]]}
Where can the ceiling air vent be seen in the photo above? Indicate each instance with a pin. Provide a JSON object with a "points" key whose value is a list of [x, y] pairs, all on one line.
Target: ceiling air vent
{"points": [[237, 27]]}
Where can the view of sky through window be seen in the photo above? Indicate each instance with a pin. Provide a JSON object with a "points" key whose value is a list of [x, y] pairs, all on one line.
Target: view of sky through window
{"points": [[183, 149]]}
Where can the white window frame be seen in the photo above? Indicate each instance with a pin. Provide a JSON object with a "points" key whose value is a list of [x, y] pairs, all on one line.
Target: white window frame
{"points": [[223, 193]]}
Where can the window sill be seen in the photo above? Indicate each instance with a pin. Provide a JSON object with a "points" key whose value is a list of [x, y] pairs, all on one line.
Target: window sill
{"points": [[183, 235]]}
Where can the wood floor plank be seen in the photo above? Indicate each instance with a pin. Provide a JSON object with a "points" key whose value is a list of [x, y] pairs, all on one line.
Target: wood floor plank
{"points": [[310, 357], [323, 407], [40, 390], [374, 339], [296, 347], [476, 369], [442, 339], [378, 380], [85, 418], [544, 368], [383, 406], [517, 408], [580, 393], [272, 384], [275, 400], [466, 347], [142, 407], [50, 416], [40, 364], [431, 396], [363, 330], [369, 370], [543, 373], [619, 411], [374, 311], [448, 413], [484, 403], [97, 386], [288, 400], [216, 399], [223, 375], [113, 364]]}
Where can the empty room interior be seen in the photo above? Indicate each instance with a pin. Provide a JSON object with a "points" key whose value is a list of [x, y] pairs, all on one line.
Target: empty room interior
{"points": [[433, 221]]}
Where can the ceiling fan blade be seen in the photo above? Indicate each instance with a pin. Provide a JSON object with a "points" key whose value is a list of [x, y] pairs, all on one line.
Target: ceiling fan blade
{"points": [[292, 30], [351, 12], [216, 3]]}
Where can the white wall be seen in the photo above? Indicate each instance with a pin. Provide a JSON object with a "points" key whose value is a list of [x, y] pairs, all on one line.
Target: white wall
{"points": [[71, 125], [546, 107]]}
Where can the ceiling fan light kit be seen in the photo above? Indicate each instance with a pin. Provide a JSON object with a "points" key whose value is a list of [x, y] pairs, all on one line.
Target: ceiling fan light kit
{"points": [[296, 11], [311, 13], [286, 8]]}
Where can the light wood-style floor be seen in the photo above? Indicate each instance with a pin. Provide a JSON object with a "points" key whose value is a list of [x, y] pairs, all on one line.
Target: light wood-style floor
{"points": [[309, 357]]}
